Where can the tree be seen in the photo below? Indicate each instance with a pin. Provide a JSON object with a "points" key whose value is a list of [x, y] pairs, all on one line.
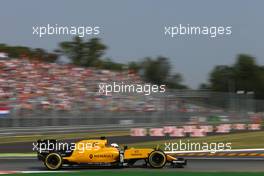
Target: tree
{"points": [[175, 82], [94, 50], [31, 53], [244, 75], [134, 66], [83, 53], [158, 71], [17, 51], [75, 50], [42, 55], [110, 65], [222, 78], [39, 53]]}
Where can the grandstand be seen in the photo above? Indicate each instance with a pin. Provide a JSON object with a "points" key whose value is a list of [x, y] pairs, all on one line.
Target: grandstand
{"points": [[34, 89]]}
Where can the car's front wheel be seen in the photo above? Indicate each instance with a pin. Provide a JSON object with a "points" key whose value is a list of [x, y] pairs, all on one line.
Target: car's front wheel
{"points": [[53, 161], [157, 159]]}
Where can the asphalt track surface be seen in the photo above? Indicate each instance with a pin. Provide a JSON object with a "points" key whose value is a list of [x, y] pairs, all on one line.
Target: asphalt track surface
{"points": [[197, 165], [194, 164]]}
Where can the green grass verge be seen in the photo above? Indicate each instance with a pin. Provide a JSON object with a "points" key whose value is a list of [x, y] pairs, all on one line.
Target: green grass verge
{"points": [[247, 140], [147, 173], [4, 155], [33, 138], [239, 140]]}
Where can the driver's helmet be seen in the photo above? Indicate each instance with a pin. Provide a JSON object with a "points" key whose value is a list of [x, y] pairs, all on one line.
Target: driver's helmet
{"points": [[115, 145]]}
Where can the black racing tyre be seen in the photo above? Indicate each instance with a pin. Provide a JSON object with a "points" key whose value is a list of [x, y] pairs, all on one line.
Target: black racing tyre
{"points": [[157, 159], [53, 161]]}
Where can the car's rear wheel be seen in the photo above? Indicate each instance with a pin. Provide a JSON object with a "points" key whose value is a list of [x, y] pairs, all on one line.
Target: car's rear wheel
{"points": [[53, 161], [157, 159]]}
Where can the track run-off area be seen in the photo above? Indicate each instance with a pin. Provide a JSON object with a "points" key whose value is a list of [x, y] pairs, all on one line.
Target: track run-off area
{"points": [[31, 164]]}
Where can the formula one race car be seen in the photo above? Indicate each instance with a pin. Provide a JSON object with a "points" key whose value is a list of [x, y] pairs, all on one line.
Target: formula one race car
{"points": [[97, 152]]}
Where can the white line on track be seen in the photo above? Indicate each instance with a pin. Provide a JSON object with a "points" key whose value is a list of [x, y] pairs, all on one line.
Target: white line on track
{"points": [[18, 158], [30, 172], [209, 151], [224, 158], [34, 172]]}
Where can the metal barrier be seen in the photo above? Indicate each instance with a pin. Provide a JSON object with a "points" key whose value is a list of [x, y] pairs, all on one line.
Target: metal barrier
{"points": [[172, 106]]}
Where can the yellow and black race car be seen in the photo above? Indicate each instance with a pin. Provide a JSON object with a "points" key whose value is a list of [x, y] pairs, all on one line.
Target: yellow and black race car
{"points": [[97, 152]]}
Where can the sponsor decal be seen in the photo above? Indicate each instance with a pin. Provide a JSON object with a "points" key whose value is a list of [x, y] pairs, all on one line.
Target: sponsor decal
{"points": [[104, 156], [91, 156]]}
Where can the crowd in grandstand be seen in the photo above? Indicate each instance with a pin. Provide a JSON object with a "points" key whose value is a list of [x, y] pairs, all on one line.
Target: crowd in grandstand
{"points": [[28, 86], [34, 85]]}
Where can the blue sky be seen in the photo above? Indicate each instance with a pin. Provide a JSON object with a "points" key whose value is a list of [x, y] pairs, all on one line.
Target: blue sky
{"points": [[134, 29]]}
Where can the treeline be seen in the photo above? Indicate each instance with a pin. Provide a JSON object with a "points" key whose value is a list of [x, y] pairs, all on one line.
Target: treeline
{"points": [[32, 53], [158, 71], [90, 54], [244, 75]]}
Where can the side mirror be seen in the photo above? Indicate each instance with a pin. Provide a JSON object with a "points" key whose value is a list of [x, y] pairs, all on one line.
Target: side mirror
{"points": [[125, 147]]}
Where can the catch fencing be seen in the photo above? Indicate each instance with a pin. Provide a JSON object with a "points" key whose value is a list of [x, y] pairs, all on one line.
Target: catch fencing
{"points": [[177, 106]]}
